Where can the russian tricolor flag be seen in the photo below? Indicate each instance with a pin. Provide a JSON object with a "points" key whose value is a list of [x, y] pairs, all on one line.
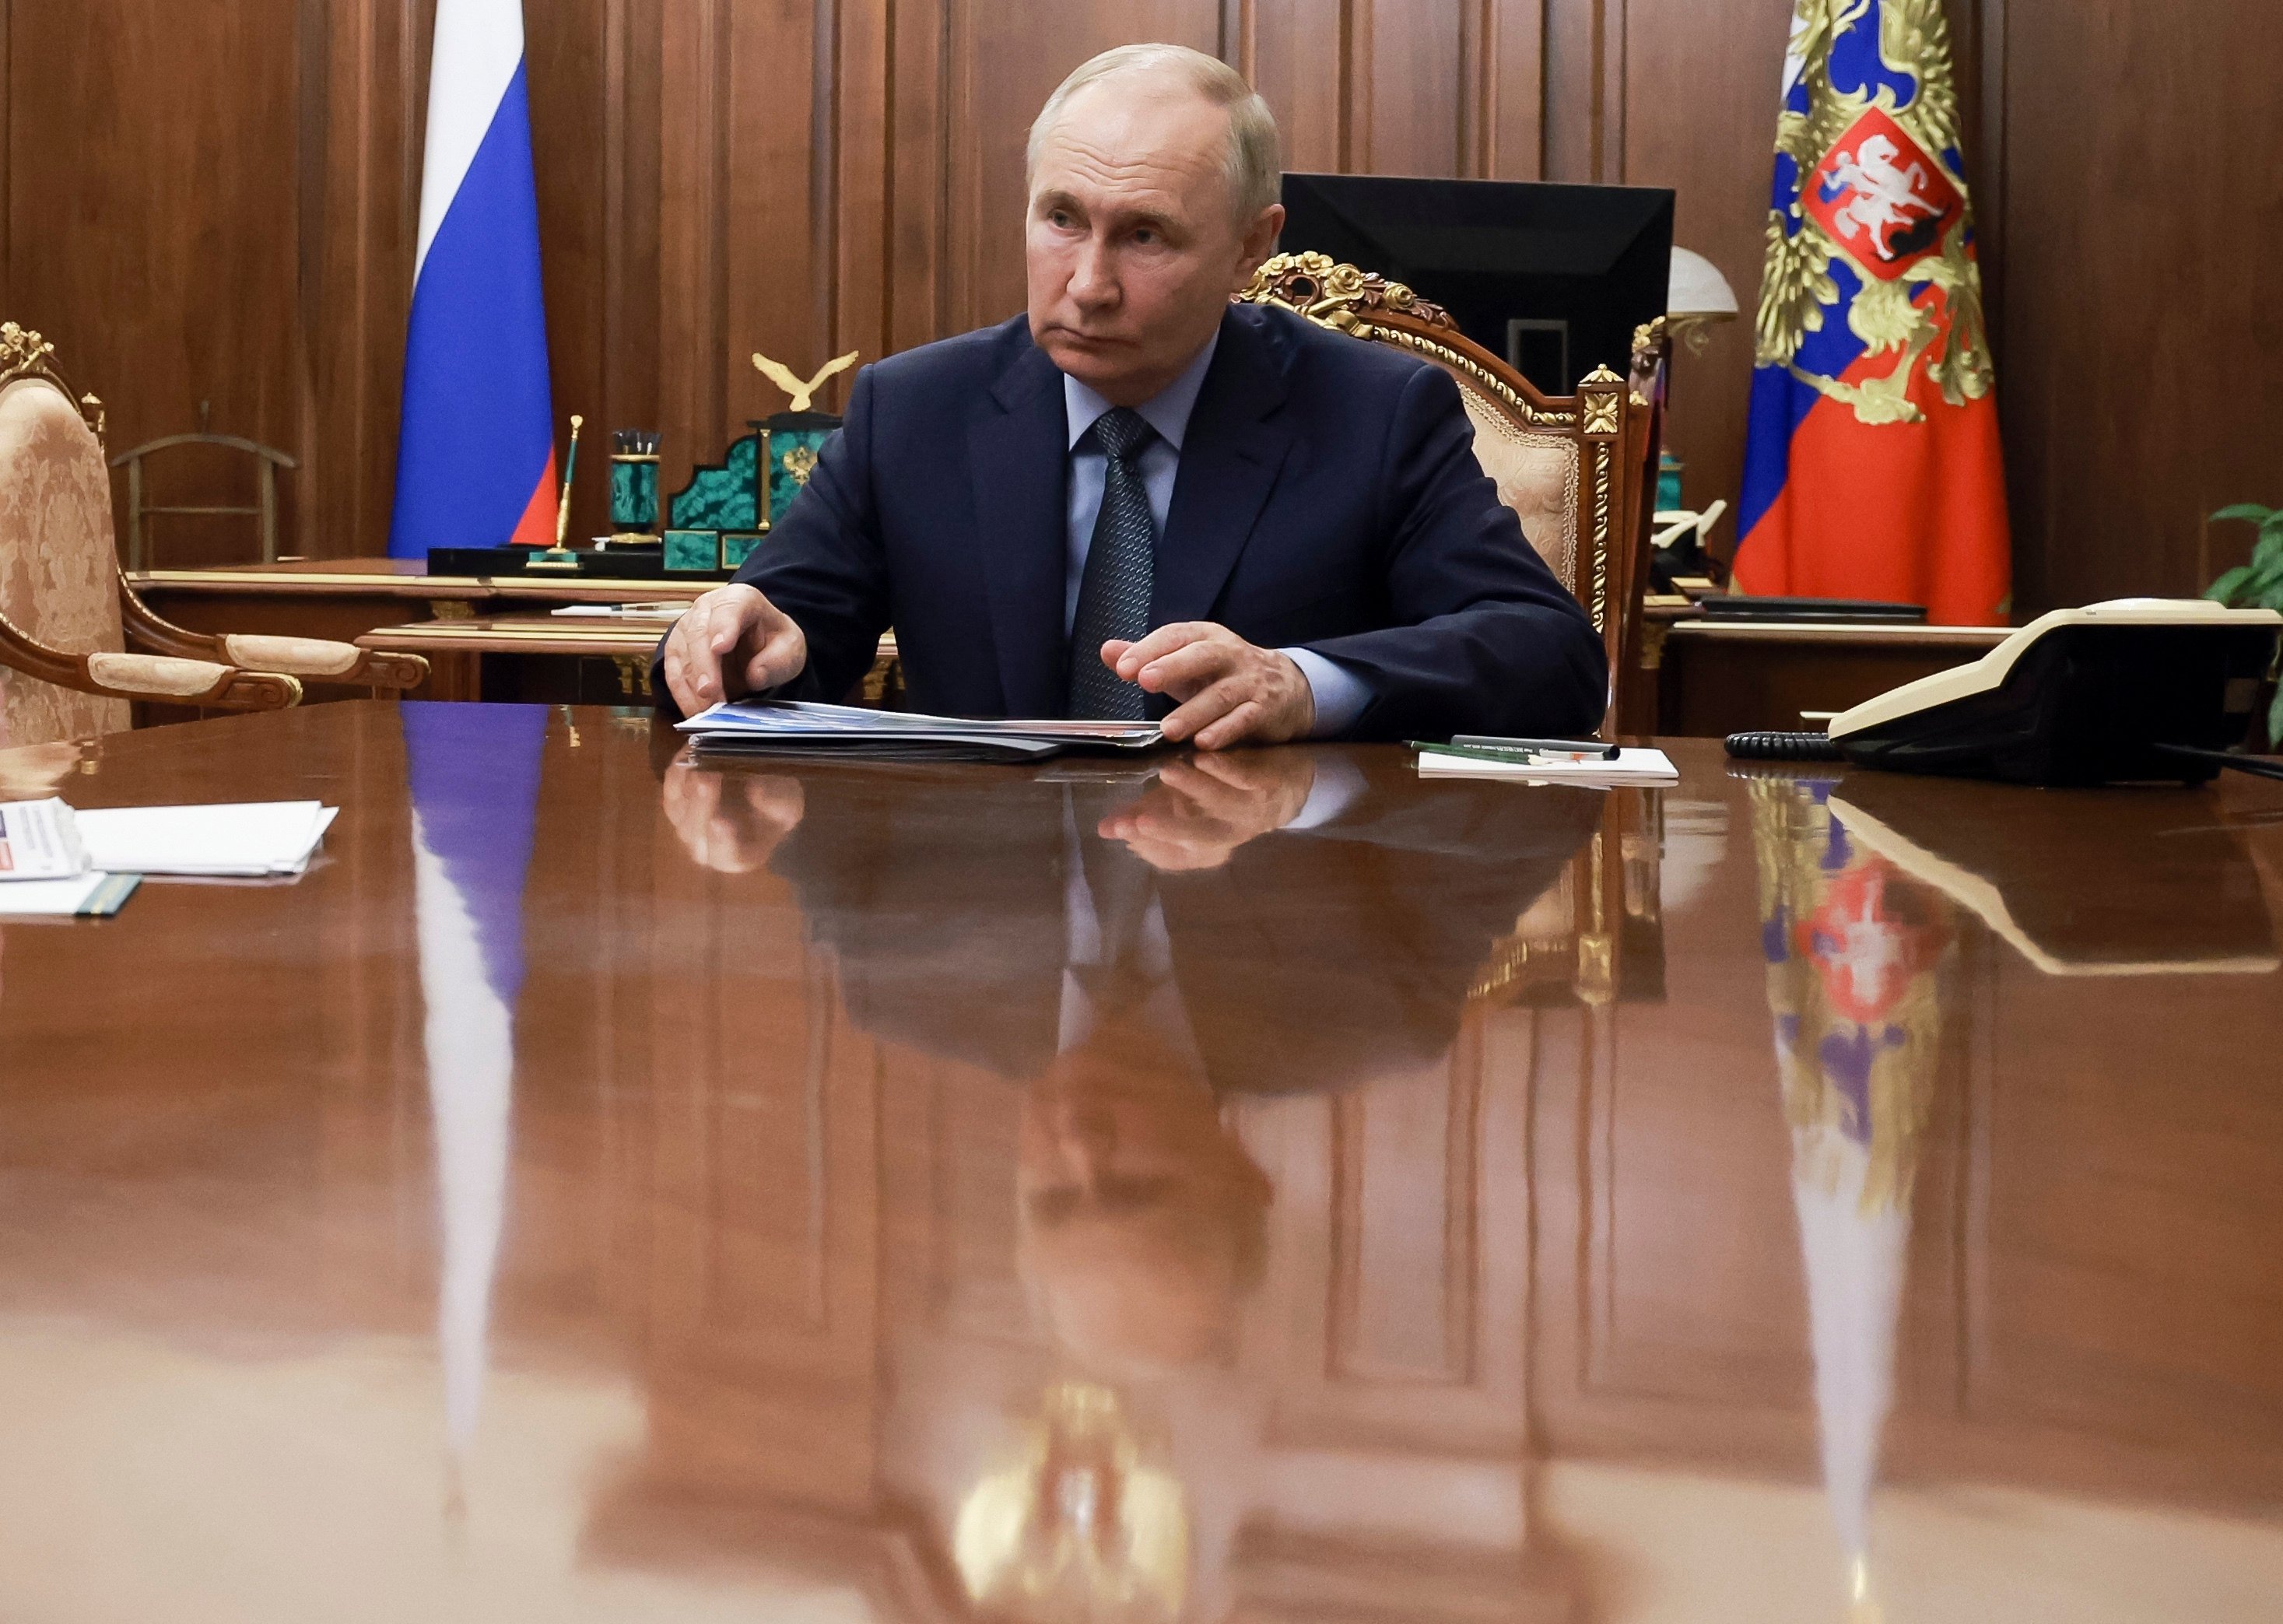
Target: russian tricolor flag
{"points": [[475, 464]]}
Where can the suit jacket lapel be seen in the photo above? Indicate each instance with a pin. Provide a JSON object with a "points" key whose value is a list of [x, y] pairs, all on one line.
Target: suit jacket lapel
{"points": [[1018, 450], [1230, 457]]}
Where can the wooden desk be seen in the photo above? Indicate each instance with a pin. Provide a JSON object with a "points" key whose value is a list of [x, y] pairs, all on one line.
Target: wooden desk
{"points": [[546, 659], [1716, 677], [1706, 680], [603, 1188], [344, 598]]}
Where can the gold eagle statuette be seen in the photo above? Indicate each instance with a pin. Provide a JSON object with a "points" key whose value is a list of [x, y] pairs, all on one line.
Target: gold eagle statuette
{"points": [[802, 393]]}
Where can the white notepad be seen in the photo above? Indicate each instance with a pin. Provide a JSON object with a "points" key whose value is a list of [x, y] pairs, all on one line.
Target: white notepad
{"points": [[81, 896], [1631, 767]]}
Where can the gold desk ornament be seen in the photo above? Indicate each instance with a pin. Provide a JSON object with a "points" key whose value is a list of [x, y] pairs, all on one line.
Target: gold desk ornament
{"points": [[789, 442], [803, 394], [560, 556]]}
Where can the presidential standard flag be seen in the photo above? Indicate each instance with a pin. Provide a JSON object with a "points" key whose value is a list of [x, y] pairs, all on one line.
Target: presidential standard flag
{"points": [[475, 464], [1872, 467]]}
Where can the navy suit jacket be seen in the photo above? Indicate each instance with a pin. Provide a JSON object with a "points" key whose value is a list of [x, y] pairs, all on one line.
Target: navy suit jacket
{"points": [[1328, 497]]}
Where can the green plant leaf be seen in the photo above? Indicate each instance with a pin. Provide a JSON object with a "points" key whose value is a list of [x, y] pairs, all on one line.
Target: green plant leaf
{"points": [[2275, 719], [2225, 589], [2250, 510]]}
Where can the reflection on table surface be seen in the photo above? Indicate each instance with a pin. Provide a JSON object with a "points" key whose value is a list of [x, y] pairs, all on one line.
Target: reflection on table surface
{"points": [[1265, 1188]]}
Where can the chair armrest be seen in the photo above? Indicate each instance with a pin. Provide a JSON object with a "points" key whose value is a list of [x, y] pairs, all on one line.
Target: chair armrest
{"points": [[184, 682], [147, 676], [326, 661], [317, 659]]}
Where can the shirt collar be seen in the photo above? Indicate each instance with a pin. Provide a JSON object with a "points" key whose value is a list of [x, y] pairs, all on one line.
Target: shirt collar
{"points": [[1167, 411]]}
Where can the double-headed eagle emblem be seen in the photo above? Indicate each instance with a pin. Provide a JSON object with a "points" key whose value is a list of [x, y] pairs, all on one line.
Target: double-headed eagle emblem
{"points": [[1873, 186]]}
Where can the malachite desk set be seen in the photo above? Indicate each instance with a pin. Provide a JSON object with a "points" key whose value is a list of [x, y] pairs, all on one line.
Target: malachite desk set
{"points": [[707, 528]]}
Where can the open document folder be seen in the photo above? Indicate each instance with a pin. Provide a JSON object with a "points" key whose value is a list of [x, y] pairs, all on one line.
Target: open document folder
{"points": [[781, 727]]}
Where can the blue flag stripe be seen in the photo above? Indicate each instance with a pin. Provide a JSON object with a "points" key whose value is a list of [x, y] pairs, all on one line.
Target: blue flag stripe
{"points": [[477, 420]]}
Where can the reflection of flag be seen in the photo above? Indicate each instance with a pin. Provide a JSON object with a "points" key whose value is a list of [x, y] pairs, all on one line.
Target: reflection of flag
{"points": [[475, 463], [475, 771], [1871, 468], [1853, 949]]}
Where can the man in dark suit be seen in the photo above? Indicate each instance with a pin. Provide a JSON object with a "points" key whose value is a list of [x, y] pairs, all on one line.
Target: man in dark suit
{"points": [[1139, 499]]}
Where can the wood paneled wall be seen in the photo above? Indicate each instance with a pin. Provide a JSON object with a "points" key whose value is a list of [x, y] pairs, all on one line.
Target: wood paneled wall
{"points": [[217, 203]]}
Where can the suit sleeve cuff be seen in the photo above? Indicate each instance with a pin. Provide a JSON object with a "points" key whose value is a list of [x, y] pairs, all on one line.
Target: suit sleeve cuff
{"points": [[1340, 694]]}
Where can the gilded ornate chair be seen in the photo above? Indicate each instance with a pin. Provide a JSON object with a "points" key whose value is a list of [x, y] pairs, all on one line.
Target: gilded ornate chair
{"points": [[67, 612], [1579, 472]]}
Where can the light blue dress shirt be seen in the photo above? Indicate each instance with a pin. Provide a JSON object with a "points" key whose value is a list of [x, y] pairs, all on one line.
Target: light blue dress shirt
{"points": [[1339, 693]]}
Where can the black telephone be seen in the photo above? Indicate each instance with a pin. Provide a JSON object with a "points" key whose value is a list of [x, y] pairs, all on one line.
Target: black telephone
{"points": [[2139, 689]]}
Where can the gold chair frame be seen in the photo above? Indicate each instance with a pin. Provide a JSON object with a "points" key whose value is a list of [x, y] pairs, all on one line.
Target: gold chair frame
{"points": [[224, 671], [1615, 422]]}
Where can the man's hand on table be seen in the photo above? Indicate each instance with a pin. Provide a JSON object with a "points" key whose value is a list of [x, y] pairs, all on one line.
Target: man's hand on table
{"points": [[1202, 809], [1229, 692], [728, 643]]}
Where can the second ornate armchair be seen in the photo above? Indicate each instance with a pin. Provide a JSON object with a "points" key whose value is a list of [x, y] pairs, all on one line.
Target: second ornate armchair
{"points": [[1579, 470], [67, 615]]}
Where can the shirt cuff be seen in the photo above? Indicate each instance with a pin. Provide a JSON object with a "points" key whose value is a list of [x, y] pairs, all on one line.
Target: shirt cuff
{"points": [[1341, 695], [1338, 782]]}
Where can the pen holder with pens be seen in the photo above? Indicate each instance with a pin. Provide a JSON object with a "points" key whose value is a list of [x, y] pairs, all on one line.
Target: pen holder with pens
{"points": [[634, 489]]}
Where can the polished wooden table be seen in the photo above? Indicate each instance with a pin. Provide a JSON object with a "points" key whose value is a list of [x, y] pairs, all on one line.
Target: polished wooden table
{"points": [[609, 1188]]}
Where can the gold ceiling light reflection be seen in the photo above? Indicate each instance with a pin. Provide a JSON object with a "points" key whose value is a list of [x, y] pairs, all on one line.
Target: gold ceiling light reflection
{"points": [[1075, 1526]]}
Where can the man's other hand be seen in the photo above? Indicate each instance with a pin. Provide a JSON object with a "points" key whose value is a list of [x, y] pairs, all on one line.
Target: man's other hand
{"points": [[1229, 692], [1199, 811], [731, 643]]}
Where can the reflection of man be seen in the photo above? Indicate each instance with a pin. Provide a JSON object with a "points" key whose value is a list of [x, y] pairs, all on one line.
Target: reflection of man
{"points": [[1001, 915], [1142, 1220], [1140, 496]]}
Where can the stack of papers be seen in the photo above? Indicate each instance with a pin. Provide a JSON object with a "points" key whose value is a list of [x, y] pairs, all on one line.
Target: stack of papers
{"points": [[620, 612], [262, 839], [797, 726], [55, 861], [1627, 767], [45, 868]]}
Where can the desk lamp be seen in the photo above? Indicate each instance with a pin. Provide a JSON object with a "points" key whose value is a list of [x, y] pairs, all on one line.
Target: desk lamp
{"points": [[1696, 296]]}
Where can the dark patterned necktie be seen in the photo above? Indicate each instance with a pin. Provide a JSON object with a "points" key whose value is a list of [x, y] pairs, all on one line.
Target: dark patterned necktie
{"points": [[1113, 593]]}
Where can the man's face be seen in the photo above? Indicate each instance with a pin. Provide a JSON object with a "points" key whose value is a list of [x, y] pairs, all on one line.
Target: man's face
{"points": [[1132, 243]]}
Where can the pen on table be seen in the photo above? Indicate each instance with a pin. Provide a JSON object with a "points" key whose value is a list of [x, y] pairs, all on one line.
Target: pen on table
{"points": [[1583, 748], [1488, 752]]}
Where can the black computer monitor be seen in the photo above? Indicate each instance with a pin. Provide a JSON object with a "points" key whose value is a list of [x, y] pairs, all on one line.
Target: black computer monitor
{"points": [[1555, 279]]}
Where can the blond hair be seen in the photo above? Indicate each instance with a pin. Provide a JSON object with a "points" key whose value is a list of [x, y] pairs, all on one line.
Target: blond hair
{"points": [[1254, 166]]}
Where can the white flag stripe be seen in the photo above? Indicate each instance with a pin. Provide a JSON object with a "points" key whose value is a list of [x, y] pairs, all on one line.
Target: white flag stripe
{"points": [[478, 46], [469, 1039]]}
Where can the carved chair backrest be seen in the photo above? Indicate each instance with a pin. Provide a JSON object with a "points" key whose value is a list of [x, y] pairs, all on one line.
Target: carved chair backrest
{"points": [[1577, 470], [58, 563]]}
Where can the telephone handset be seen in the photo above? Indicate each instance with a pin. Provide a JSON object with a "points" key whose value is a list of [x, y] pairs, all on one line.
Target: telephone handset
{"points": [[2137, 690]]}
